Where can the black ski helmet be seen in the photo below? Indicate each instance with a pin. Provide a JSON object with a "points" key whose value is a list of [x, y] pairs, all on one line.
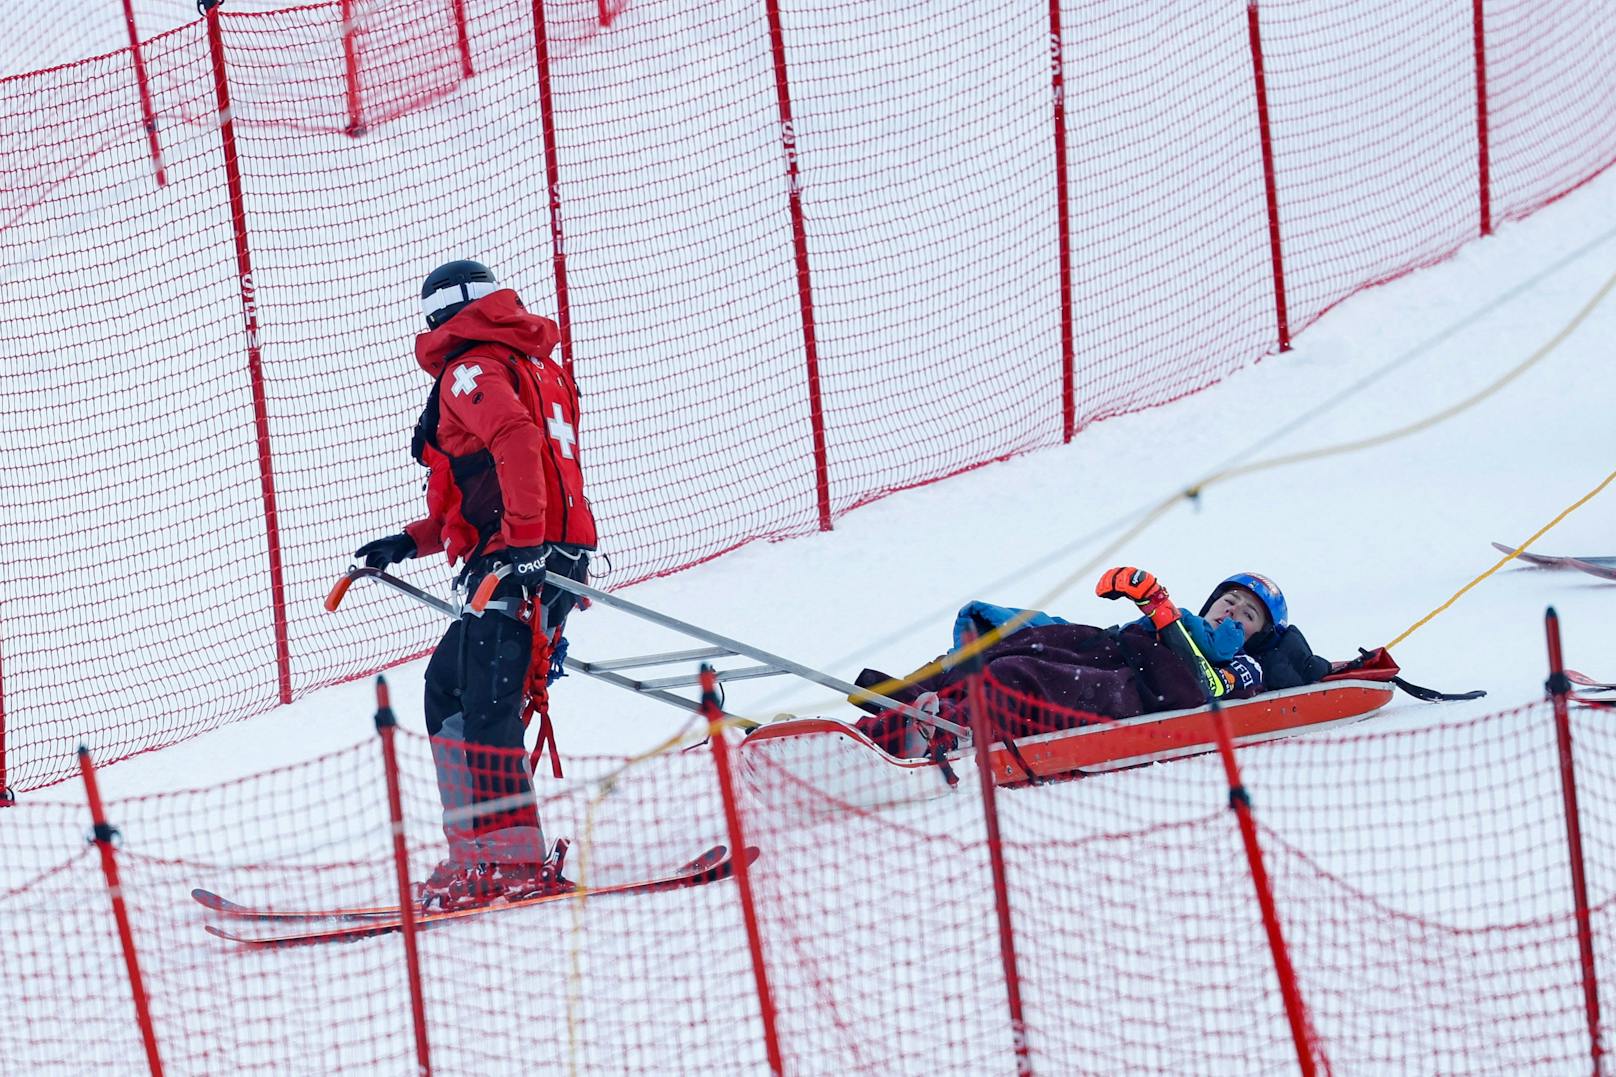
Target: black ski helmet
{"points": [[451, 287]]}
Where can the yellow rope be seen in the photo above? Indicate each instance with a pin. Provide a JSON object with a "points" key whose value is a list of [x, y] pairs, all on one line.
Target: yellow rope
{"points": [[1439, 417], [1506, 559], [580, 895]]}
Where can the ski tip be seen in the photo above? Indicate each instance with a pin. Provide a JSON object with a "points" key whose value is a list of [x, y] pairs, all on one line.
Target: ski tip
{"points": [[709, 859], [751, 854], [220, 933], [210, 900]]}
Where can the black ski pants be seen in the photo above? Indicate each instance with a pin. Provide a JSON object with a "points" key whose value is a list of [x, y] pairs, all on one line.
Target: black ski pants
{"points": [[474, 684]]}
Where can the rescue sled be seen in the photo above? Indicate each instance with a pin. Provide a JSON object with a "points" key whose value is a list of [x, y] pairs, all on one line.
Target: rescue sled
{"points": [[837, 758]]}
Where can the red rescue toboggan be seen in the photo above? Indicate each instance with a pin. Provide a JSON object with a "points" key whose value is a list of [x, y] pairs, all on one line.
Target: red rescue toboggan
{"points": [[838, 758]]}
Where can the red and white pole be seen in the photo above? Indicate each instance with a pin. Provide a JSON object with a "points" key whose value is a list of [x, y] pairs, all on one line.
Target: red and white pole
{"points": [[255, 356], [148, 117], [1063, 228], [1270, 184], [104, 838], [799, 246], [463, 38], [976, 697], [1240, 802], [1559, 687], [552, 181], [1483, 136], [386, 727], [350, 71], [742, 867], [7, 797]]}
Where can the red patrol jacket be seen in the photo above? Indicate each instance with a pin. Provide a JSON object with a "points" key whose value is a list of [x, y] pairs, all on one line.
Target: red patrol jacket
{"points": [[500, 435]]}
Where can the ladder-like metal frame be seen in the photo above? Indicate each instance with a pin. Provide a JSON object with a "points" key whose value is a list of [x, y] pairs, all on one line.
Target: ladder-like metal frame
{"points": [[610, 670]]}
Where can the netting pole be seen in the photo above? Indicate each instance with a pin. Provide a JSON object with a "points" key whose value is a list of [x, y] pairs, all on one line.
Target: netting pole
{"points": [[1558, 686], [799, 244], [350, 71], [104, 836], [976, 697], [1240, 804], [386, 727], [1270, 188], [147, 116], [714, 714], [463, 38], [552, 180], [7, 797], [1483, 152], [255, 357], [1063, 228]]}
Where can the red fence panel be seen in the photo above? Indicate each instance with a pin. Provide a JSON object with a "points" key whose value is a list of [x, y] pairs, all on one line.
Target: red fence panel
{"points": [[930, 215], [1165, 173], [133, 543], [1419, 873], [1551, 78], [1373, 109]]}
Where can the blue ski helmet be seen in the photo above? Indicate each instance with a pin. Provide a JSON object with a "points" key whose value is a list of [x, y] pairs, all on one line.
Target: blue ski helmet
{"points": [[1267, 592], [453, 286]]}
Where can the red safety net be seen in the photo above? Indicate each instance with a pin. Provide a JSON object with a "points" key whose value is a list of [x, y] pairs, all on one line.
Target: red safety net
{"points": [[1421, 877], [801, 257]]}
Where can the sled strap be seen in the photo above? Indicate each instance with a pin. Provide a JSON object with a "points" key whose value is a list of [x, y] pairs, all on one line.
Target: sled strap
{"points": [[934, 752], [538, 697], [1431, 695], [1378, 665], [1009, 743]]}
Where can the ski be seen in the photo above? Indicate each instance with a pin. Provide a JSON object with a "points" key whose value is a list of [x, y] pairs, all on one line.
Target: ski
{"points": [[710, 866], [1598, 566], [209, 900], [1585, 681], [1593, 567]]}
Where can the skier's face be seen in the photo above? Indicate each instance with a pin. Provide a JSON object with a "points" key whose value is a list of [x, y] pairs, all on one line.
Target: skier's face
{"points": [[1243, 606]]}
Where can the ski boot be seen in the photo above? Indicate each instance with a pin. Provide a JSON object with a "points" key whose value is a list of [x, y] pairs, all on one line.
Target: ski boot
{"points": [[465, 886]]}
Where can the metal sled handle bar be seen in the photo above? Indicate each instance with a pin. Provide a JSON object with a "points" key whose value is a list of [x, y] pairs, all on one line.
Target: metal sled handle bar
{"points": [[340, 589], [485, 591], [448, 609]]}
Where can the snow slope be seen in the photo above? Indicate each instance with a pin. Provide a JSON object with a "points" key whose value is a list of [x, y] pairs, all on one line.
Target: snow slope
{"points": [[1364, 543], [1130, 886]]}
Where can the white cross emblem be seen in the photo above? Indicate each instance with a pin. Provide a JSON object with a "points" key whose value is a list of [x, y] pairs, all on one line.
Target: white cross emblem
{"points": [[466, 379], [561, 430]]}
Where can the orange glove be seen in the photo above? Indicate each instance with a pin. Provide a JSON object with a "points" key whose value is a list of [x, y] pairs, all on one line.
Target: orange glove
{"points": [[1142, 587], [1134, 583]]}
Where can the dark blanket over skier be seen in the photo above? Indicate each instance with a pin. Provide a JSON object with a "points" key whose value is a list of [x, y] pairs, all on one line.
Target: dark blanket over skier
{"points": [[1052, 675]]}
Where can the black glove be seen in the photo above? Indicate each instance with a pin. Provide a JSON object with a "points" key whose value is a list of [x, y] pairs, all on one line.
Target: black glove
{"points": [[382, 552], [527, 566]]}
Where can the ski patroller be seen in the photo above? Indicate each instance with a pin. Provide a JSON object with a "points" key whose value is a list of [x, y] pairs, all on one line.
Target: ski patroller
{"points": [[1597, 565], [346, 925]]}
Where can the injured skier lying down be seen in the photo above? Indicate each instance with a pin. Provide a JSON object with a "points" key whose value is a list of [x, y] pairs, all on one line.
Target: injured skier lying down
{"points": [[1044, 668]]}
